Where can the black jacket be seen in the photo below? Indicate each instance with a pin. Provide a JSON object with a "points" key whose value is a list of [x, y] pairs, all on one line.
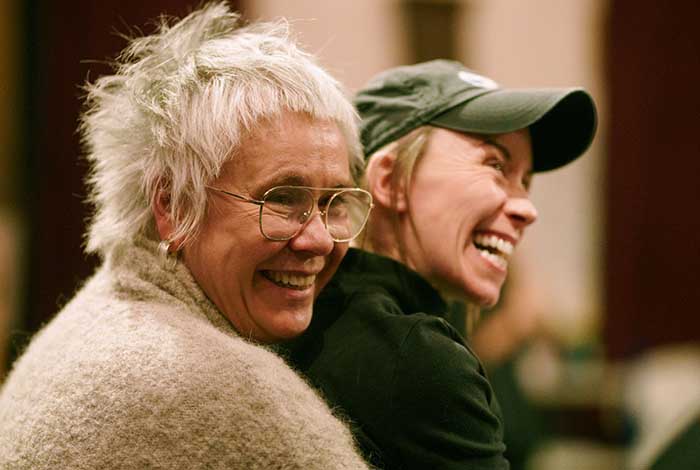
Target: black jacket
{"points": [[382, 354]]}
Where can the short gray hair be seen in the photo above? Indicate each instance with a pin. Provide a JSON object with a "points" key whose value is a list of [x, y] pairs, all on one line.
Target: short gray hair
{"points": [[175, 111]]}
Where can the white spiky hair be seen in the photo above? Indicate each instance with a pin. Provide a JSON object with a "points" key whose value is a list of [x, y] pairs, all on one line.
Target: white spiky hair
{"points": [[176, 108]]}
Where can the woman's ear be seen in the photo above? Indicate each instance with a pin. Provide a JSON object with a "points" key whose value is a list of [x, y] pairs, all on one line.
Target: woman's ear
{"points": [[161, 214], [388, 188]]}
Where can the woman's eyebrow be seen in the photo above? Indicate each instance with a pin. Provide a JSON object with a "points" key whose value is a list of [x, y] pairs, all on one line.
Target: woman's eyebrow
{"points": [[282, 179], [345, 184], [294, 179], [506, 153], [500, 147]]}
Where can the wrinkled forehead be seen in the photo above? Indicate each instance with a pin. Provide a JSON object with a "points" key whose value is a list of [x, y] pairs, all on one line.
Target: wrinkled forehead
{"points": [[515, 146], [292, 149]]}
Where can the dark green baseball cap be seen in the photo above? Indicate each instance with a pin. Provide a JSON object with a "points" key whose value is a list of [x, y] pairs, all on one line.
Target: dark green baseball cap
{"points": [[446, 94]]}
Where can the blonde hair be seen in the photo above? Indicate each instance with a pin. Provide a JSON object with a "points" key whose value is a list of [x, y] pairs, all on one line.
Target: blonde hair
{"points": [[408, 151], [175, 111]]}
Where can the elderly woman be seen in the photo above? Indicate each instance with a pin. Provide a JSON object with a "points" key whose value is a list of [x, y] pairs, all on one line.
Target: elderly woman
{"points": [[222, 178], [451, 157]]}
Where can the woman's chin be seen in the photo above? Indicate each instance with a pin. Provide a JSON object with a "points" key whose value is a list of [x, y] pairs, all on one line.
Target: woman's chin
{"points": [[488, 302], [483, 296], [292, 323]]}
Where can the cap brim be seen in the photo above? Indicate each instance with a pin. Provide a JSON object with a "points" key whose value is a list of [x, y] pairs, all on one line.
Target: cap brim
{"points": [[562, 122]]}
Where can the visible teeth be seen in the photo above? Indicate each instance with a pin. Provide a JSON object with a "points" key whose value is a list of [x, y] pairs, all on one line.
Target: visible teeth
{"points": [[491, 241], [498, 260], [501, 245], [290, 279]]}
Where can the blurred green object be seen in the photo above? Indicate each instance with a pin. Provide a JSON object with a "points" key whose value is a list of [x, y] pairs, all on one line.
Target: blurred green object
{"points": [[683, 453], [524, 422]]}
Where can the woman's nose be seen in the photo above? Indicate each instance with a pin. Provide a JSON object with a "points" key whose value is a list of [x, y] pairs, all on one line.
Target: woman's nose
{"points": [[314, 237], [521, 210]]}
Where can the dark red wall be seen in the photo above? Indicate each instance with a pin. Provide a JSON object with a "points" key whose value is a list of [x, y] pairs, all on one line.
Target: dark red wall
{"points": [[653, 185], [65, 43]]}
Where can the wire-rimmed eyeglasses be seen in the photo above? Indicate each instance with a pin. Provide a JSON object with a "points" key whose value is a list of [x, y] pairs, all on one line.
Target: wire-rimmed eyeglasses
{"points": [[285, 210]]}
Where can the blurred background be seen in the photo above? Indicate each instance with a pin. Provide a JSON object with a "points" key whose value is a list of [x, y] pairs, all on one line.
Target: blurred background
{"points": [[595, 349]]}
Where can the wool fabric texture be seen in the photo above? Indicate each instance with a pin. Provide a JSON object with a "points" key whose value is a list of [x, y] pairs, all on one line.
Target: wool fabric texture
{"points": [[141, 370]]}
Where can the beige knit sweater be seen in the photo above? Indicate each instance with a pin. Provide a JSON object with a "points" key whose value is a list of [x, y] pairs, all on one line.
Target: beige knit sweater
{"points": [[140, 371]]}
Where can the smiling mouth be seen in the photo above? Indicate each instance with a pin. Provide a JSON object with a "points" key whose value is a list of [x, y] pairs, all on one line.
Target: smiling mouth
{"points": [[290, 280], [494, 249]]}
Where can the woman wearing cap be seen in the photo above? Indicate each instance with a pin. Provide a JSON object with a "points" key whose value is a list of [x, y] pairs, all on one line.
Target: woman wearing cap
{"points": [[450, 159]]}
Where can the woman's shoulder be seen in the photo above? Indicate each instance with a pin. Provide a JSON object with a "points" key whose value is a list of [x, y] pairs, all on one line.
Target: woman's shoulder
{"points": [[380, 286], [150, 339], [407, 379], [141, 376], [434, 343]]}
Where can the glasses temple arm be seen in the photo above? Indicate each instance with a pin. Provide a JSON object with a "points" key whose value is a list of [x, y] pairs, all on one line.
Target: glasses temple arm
{"points": [[237, 196]]}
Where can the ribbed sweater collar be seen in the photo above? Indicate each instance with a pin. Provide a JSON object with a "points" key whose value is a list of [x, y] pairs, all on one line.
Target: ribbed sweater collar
{"points": [[139, 271]]}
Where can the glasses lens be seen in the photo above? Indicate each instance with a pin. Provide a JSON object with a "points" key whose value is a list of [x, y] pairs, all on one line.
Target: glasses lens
{"points": [[284, 211], [347, 213]]}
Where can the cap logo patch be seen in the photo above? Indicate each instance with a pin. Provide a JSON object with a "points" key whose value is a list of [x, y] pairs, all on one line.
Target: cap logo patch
{"points": [[477, 80]]}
